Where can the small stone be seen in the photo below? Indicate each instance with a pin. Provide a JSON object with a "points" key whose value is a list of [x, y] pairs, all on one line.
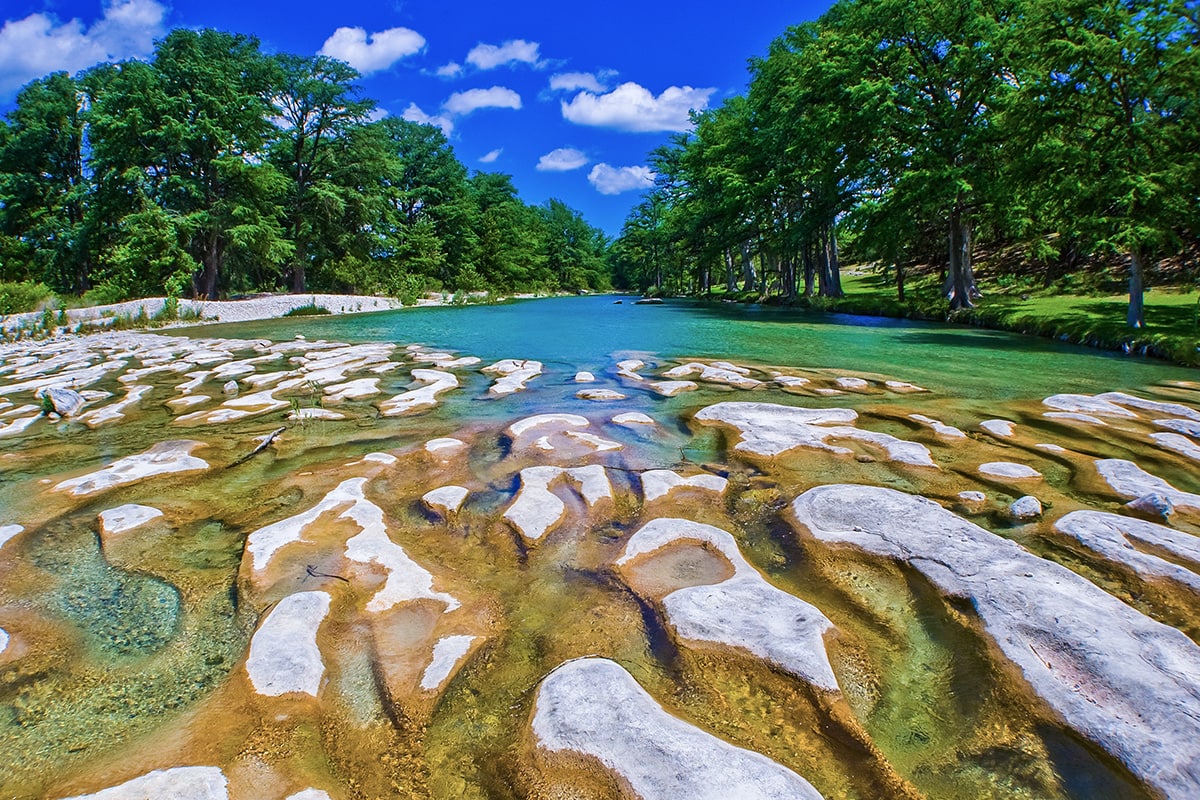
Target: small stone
{"points": [[599, 395], [445, 500], [632, 418], [584, 377], [230, 388], [672, 388], [1008, 471], [1026, 508], [445, 447], [972, 501], [998, 427], [1153, 506]]}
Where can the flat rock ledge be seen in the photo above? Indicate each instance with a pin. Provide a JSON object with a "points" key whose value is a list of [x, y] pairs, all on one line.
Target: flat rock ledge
{"points": [[1117, 538], [658, 483], [1125, 681], [594, 707], [767, 429], [1132, 482], [1007, 470], [537, 511], [445, 500], [178, 783], [284, 656], [164, 458], [126, 518]]}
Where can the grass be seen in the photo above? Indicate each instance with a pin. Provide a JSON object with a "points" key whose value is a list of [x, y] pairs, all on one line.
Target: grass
{"points": [[310, 310], [1172, 314]]}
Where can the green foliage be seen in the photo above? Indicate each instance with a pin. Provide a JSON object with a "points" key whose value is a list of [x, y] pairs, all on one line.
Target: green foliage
{"points": [[105, 294], [18, 297], [310, 310]]}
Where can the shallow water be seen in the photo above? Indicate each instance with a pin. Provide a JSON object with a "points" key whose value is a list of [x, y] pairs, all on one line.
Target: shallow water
{"points": [[128, 651]]}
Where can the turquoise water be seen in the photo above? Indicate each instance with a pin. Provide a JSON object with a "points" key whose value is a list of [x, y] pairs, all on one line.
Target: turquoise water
{"points": [[592, 332]]}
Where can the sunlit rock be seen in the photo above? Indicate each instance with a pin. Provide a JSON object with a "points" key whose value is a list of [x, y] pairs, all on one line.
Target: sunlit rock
{"points": [[443, 360], [114, 412], [64, 402], [445, 500], [594, 707], [513, 375], [658, 483], [766, 429], [1152, 506], [1180, 444], [9, 531], [1006, 470], [852, 384], [1000, 428], [302, 414], [126, 518], [1131, 481], [629, 369], [1113, 674], [633, 419], [352, 390], [1133, 542], [434, 382], [445, 447], [1073, 416], [791, 381], [600, 395], [903, 387], [1086, 404], [263, 543], [1051, 448], [448, 654], [542, 422], [972, 501], [672, 388], [712, 373], [18, 425], [310, 794], [1185, 426], [1026, 508], [3, 641], [593, 442], [940, 428], [1154, 406], [584, 377], [165, 458], [178, 783], [284, 656], [744, 611], [536, 510]]}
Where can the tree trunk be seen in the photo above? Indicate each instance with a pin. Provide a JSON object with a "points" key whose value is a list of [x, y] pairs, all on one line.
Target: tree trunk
{"points": [[212, 257], [829, 277], [299, 282], [960, 288], [899, 281], [809, 268], [730, 276], [749, 279], [1136, 318]]}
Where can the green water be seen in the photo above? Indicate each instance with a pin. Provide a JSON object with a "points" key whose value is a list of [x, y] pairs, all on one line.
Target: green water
{"points": [[590, 333]]}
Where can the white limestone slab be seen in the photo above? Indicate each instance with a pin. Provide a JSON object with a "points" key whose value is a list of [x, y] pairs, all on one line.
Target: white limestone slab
{"points": [[1007, 470], [1185, 426], [177, 783], [1001, 428], [9, 531], [594, 707], [1154, 406], [352, 390], [114, 412], [445, 447], [448, 653], [1130, 481], [540, 422], [584, 377], [629, 368], [599, 395], [658, 483], [1179, 444], [632, 419], [513, 375], [903, 387], [791, 381], [165, 458], [853, 384], [1116, 538], [284, 656], [536, 510], [125, 518], [315, 413], [1126, 682], [434, 382], [263, 543], [310, 794], [1025, 508], [18, 425], [672, 388], [1086, 404], [1073, 416], [3, 641], [713, 373], [445, 500], [940, 428]]}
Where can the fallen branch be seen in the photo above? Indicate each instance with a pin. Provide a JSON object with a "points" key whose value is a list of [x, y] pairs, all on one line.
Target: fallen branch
{"points": [[263, 445]]}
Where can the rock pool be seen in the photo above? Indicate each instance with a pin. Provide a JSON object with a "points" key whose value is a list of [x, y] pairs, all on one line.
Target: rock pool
{"points": [[406, 555]]}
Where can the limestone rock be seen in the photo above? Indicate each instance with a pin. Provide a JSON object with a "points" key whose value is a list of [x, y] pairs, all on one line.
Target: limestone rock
{"points": [[600, 395], [64, 402], [168, 457], [230, 388], [1180, 444], [1073, 416], [672, 388], [178, 783], [284, 656], [1025, 508], [310, 794], [1000, 428], [853, 384], [448, 653], [594, 707], [3, 641], [629, 369], [433, 381], [1006, 470], [445, 448], [658, 483], [326, 414], [1185, 426], [631, 419], [126, 518], [940, 428], [584, 377], [536, 510], [1155, 406], [903, 387], [973, 501], [9, 531], [1086, 404], [555, 422], [718, 372], [446, 500], [1131, 482], [1121, 679], [513, 375], [1117, 538], [1153, 505], [352, 390]]}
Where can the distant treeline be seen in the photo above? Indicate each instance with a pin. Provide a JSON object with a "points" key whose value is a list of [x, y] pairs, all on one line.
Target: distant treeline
{"points": [[916, 132], [215, 168]]}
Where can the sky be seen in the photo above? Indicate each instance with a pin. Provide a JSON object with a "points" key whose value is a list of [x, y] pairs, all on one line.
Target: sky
{"points": [[569, 98]]}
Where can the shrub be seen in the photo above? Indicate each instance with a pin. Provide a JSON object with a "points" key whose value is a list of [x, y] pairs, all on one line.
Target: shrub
{"points": [[104, 295], [310, 310], [19, 297]]}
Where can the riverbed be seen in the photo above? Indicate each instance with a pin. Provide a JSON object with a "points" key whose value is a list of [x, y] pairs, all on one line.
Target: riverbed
{"points": [[481, 526]]}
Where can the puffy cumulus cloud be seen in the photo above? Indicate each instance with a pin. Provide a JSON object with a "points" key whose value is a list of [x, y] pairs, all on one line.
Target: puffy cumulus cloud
{"points": [[414, 114], [461, 103], [371, 53], [514, 51], [563, 159], [574, 81], [451, 70], [615, 180], [632, 107], [37, 45], [377, 114], [491, 156]]}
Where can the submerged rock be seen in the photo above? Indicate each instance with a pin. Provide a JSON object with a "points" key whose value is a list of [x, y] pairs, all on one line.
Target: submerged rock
{"points": [[555, 422], [178, 783], [448, 653], [1121, 679], [164, 458], [446, 500], [1116, 538], [594, 707], [599, 395], [126, 518], [284, 656], [1025, 508]]}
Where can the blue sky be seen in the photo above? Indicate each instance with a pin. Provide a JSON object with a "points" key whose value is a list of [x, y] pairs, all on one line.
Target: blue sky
{"points": [[568, 98]]}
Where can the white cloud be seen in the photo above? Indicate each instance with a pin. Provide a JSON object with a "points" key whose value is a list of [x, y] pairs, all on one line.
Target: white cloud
{"points": [[414, 114], [461, 103], [631, 107], [615, 180], [372, 53], [491, 156], [37, 45], [376, 114], [448, 70], [563, 159], [514, 51], [573, 81]]}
